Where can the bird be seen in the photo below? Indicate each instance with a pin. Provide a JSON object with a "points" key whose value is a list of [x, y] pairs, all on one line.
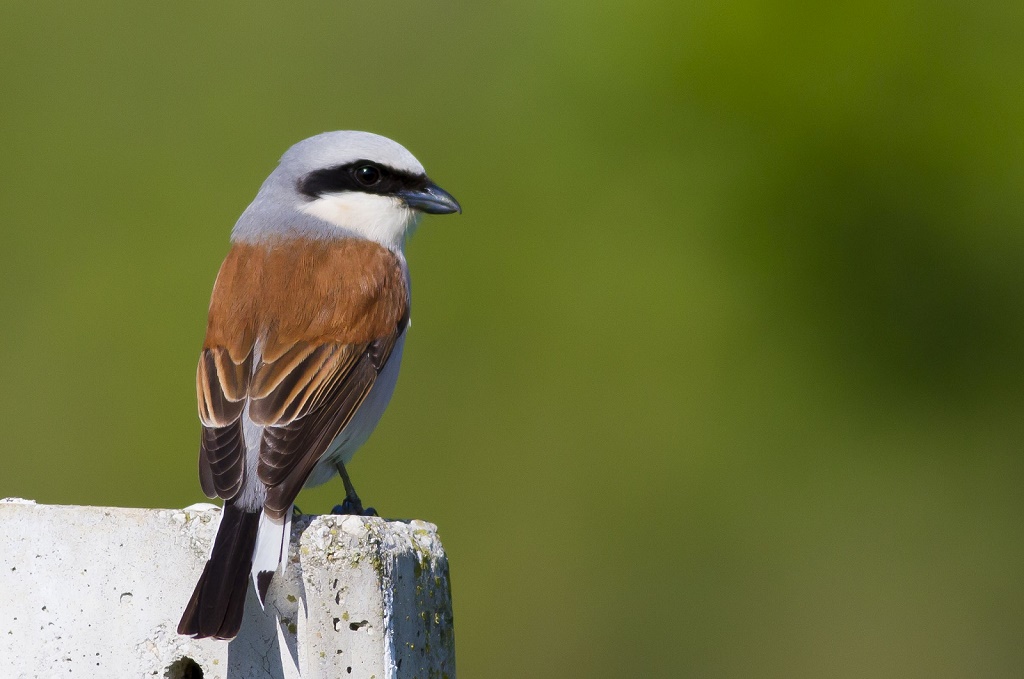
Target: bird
{"points": [[304, 338]]}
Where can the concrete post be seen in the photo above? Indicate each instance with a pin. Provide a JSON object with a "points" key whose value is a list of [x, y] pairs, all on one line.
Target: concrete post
{"points": [[97, 592]]}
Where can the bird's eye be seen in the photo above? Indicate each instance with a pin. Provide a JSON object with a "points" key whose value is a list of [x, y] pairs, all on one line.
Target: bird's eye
{"points": [[367, 175]]}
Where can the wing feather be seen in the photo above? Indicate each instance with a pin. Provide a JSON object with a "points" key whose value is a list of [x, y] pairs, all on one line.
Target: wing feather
{"points": [[283, 392], [222, 386], [290, 452]]}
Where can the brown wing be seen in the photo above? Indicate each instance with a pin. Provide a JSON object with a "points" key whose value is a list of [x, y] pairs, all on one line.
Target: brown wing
{"points": [[306, 402], [222, 386], [326, 316]]}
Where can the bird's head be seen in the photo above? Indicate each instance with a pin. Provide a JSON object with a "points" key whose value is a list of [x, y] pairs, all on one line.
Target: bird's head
{"points": [[356, 182]]}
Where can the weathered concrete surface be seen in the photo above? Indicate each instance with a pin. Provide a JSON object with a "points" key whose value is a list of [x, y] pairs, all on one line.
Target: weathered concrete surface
{"points": [[97, 591]]}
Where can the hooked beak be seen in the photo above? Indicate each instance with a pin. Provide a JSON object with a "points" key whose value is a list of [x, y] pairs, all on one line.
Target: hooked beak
{"points": [[431, 199]]}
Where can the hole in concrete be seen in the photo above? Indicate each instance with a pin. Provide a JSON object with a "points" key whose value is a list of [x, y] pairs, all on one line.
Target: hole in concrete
{"points": [[185, 668], [354, 626]]}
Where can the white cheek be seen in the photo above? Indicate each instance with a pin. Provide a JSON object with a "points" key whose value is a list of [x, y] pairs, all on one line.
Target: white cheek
{"points": [[380, 218]]}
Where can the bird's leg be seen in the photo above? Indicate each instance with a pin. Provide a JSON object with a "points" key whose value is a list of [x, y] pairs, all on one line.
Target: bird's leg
{"points": [[352, 503]]}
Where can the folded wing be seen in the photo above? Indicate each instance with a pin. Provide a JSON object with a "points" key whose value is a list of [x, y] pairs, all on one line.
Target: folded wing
{"points": [[222, 387], [304, 400]]}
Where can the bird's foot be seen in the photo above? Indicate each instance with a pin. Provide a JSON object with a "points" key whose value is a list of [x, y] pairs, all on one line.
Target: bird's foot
{"points": [[353, 507]]}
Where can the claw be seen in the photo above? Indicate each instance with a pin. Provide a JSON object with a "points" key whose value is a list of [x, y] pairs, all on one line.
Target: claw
{"points": [[353, 508], [352, 505]]}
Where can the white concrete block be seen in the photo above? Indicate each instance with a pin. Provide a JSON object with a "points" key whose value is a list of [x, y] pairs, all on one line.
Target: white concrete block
{"points": [[97, 591]]}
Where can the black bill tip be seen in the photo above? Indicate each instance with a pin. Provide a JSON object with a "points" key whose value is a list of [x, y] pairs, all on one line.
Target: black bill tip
{"points": [[431, 199]]}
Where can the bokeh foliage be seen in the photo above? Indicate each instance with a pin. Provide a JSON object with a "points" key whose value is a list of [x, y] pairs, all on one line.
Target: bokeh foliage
{"points": [[719, 374]]}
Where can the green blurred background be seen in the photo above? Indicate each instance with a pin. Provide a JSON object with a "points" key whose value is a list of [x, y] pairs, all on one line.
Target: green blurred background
{"points": [[719, 374]]}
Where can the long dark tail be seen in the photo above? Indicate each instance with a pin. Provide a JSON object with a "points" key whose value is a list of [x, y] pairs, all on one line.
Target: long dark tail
{"points": [[216, 607]]}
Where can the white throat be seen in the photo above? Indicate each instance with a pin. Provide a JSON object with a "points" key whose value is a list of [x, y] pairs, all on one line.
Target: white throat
{"points": [[383, 219]]}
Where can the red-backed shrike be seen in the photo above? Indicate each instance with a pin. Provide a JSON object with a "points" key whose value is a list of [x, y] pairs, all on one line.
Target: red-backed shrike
{"points": [[303, 343]]}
